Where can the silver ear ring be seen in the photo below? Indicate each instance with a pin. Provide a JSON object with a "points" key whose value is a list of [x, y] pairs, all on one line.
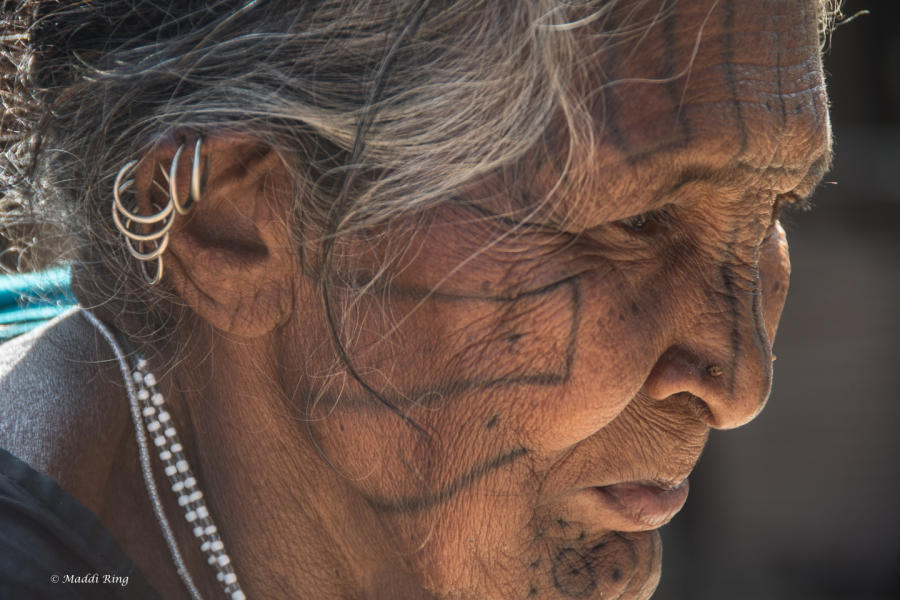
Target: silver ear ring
{"points": [[198, 179], [159, 223]]}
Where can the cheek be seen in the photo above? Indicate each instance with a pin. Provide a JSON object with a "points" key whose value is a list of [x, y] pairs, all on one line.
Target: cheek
{"points": [[490, 388], [616, 334], [774, 273], [476, 381], [427, 416]]}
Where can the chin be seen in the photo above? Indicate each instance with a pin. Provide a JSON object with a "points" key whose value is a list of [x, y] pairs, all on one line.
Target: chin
{"points": [[613, 566], [618, 566]]}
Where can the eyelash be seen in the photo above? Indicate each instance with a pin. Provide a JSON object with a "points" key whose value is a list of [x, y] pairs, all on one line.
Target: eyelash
{"points": [[645, 222], [648, 222]]}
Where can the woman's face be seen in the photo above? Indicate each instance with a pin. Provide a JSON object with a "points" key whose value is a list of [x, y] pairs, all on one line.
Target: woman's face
{"points": [[559, 369]]}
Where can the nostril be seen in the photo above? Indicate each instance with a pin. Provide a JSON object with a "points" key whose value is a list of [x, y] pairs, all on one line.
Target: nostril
{"points": [[679, 371], [700, 410], [730, 393]]}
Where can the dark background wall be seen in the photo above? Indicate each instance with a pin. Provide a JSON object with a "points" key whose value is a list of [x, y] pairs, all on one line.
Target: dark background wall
{"points": [[804, 502]]}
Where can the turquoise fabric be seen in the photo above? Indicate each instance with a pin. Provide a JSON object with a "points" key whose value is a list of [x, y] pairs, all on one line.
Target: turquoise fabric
{"points": [[30, 299]]}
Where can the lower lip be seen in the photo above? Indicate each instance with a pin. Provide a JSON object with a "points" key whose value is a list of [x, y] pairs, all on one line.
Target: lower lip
{"points": [[636, 506]]}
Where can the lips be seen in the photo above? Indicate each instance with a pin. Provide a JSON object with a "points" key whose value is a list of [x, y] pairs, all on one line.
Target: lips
{"points": [[631, 505], [643, 504]]}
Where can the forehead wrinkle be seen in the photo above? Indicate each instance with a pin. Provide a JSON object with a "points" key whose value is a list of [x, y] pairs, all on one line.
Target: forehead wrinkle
{"points": [[547, 188]]}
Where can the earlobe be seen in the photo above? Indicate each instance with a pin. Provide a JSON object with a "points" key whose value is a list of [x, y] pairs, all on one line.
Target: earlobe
{"points": [[230, 257]]}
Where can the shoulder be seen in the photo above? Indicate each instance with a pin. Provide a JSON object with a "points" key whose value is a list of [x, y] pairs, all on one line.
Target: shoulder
{"points": [[67, 424], [59, 397]]}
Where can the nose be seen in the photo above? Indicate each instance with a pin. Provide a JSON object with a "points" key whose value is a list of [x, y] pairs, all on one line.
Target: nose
{"points": [[723, 357], [732, 394]]}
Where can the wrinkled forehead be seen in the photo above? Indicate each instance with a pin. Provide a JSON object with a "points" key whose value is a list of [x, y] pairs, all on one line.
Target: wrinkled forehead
{"points": [[686, 97]]}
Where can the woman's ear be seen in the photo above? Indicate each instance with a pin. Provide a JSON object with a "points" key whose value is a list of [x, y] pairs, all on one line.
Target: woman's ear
{"points": [[231, 258]]}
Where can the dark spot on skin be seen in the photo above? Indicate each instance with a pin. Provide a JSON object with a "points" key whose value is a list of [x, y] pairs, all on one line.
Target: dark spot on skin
{"points": [[581, 535], [539, 534], [635, 309], [573, 575], [492, 422], [617, 574], [562, 522], [777, 286], [532, 592], [798, 109], [621, 317], [512, 338], [535, 564], [341, 425], [768, 106]]}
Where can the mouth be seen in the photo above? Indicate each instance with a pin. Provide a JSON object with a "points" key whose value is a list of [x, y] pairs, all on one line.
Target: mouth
{"points": [[636, 505]]}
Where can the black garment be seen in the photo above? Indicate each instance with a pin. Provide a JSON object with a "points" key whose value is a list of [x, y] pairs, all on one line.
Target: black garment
{"points": [[53, 548]]}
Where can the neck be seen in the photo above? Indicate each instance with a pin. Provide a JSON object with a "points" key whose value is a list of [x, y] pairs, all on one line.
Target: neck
{"points": [[288, 520]]}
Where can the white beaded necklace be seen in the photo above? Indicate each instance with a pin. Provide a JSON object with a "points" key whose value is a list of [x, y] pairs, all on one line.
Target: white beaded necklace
{"points": [[149, 406]]}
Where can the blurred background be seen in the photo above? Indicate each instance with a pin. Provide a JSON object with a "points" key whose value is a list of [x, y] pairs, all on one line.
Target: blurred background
{"points": [[804, 502]]}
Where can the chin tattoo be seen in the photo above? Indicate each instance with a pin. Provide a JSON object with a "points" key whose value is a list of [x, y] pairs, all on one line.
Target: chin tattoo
{"points": [[571, 562]]}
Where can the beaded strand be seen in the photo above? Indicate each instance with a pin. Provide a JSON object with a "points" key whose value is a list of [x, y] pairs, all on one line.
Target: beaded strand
{"points": [[161, 430]]}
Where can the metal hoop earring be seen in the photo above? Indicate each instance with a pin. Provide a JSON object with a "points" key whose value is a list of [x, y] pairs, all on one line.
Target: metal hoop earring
{"points": [[157, 277], [198, 179], [118, 205], [160, 222], [161, 246]]}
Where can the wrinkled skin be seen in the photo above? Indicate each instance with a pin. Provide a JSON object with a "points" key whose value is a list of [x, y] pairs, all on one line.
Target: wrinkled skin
{"points": [[534, 362], [550, 362]]}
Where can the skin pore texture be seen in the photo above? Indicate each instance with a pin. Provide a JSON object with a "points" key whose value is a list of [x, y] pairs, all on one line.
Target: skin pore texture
{"points": [[516, 355]]}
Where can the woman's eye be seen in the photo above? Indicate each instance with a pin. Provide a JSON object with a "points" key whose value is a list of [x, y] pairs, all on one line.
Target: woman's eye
{"points": [[645, 222], [637, 223]]}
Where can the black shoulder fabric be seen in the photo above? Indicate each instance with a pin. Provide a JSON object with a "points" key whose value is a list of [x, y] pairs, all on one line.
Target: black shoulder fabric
{"points": [[53, 548]]}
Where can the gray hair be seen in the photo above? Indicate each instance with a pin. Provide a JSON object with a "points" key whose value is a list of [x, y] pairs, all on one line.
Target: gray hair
{"points": [[377, 107]]}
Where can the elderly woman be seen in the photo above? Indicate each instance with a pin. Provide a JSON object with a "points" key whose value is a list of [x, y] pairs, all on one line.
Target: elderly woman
{"points": [[395, 300]]}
